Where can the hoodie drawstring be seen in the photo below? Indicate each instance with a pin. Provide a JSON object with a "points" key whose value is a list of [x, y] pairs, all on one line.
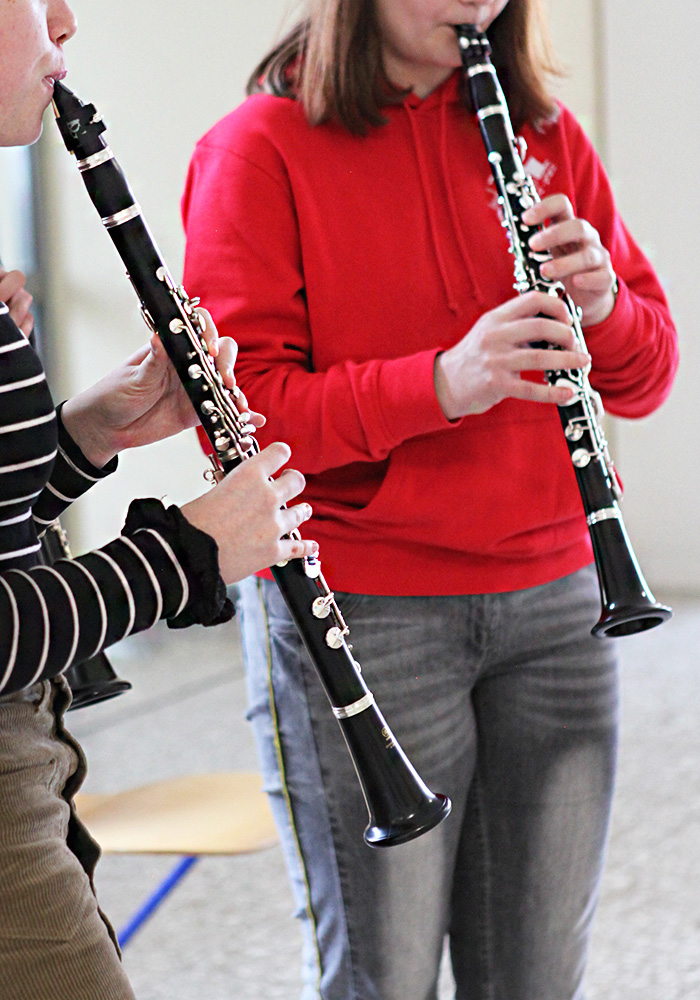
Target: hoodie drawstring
{"points": [[427, 185], [432, 222], [452, 202]]}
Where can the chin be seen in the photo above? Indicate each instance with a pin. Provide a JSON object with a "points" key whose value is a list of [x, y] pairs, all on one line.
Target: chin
{"points": [[25, 138], [33, 133], [24, 132], [37, 134]]}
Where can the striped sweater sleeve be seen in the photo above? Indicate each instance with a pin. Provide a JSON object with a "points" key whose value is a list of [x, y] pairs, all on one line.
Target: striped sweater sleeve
{"points": [[72, 476], [54, 616]]}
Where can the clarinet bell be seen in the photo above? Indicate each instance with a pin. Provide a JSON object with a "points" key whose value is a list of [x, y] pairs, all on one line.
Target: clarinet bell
{"points": [[398, 827], [93, 681], [619, 618], [400, 805], [628, 605]]}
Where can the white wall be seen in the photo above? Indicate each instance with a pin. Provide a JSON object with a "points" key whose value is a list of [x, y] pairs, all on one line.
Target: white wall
{"points": [[575, 30], [653, 154], [160, 76]]}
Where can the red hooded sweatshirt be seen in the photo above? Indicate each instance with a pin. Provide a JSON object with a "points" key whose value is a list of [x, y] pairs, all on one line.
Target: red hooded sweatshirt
{"points": [[342, 265]]}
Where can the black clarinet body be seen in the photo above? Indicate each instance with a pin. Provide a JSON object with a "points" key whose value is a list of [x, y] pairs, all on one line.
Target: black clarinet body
{"points": [[628, 605], [400, 805]]}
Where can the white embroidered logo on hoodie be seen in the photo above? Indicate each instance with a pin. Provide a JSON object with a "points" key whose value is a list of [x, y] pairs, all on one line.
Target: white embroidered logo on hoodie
{"points": [[541, 172]]}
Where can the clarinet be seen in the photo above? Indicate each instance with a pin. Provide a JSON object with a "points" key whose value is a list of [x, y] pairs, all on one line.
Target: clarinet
{"points": [[400, 805], [628, 605]]}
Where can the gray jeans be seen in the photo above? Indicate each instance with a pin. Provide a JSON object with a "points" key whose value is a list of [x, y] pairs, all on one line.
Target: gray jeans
{"points": [[505, 703]]}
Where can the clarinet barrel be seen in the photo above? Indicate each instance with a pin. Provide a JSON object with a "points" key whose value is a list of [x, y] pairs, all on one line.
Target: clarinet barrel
{"points": [[628, 605]]}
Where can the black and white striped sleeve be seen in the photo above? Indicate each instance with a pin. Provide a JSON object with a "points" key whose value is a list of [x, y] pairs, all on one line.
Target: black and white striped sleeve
{"points": [[72, 476], [54, 616]]}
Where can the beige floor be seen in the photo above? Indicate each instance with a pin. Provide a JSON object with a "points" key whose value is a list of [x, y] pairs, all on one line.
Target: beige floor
{"points": [[227, 932]]}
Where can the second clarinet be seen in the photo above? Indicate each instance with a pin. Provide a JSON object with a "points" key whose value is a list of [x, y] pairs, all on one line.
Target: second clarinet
{"points": [[400, 805], [628, 605]]}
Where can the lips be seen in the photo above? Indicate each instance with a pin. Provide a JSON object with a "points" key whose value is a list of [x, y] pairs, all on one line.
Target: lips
{"points": [[51, 78]]}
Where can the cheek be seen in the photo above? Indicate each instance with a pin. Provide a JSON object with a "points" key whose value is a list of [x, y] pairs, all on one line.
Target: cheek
{"points": [[20, 117], [498, 8]]}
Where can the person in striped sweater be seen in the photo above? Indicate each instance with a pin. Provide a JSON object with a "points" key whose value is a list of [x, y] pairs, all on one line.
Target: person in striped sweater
{"points": [[168, 563]]}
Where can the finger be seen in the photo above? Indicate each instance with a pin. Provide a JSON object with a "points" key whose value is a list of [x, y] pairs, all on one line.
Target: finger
{"points": [[19, 305], [588, 258], [555, 207], [11, 283], [292, 518], [27, 325], [227, 350], [291, 548], [571, 231], [541, 359], [154, 346], [208, 332], [532, 331], [541, 392], [257, 419], [289, 485], [533, 304], [272, 458]]}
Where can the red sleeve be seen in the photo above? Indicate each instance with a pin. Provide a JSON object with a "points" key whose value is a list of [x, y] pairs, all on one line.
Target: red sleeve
{"points": [[635, 350], [243, 257]]}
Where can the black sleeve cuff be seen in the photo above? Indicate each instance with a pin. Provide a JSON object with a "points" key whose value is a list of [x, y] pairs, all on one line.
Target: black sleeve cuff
{"points": [[198, 555]]}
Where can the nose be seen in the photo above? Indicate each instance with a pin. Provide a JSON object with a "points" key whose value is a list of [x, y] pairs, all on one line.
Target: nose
{"points": [[61, 22]]}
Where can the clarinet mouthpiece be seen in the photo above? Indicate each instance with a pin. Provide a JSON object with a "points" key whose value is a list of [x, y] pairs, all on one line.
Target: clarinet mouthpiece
{"points": [[78, 123]]}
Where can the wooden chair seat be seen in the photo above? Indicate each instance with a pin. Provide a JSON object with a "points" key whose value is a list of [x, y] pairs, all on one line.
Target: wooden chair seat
{"points": [[196, 814], [193, 815]]}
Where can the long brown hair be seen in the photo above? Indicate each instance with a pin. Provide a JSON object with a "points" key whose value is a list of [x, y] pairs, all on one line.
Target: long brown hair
{"points": [[332, 62]]}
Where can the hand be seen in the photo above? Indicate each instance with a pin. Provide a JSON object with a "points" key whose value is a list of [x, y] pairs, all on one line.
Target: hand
{"points": [[484, 367], [580, 260], [17, 299], [143, 400], [244, 514]]}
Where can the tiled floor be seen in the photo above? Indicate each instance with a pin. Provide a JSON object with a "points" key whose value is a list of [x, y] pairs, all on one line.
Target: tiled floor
{"points": [[227, 932]]}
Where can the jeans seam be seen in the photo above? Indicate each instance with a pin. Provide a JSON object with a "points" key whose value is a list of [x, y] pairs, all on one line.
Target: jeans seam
{"points": [[285, 792], [485, 919], [341, 869]]}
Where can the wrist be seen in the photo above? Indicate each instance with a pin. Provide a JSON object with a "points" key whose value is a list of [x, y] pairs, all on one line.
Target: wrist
{"points": [[606, 308], [93, 439], [443, 389]]}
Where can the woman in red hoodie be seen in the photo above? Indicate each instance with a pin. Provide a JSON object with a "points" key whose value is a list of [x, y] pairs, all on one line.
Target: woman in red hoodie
{"points": [[342, 224]]}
